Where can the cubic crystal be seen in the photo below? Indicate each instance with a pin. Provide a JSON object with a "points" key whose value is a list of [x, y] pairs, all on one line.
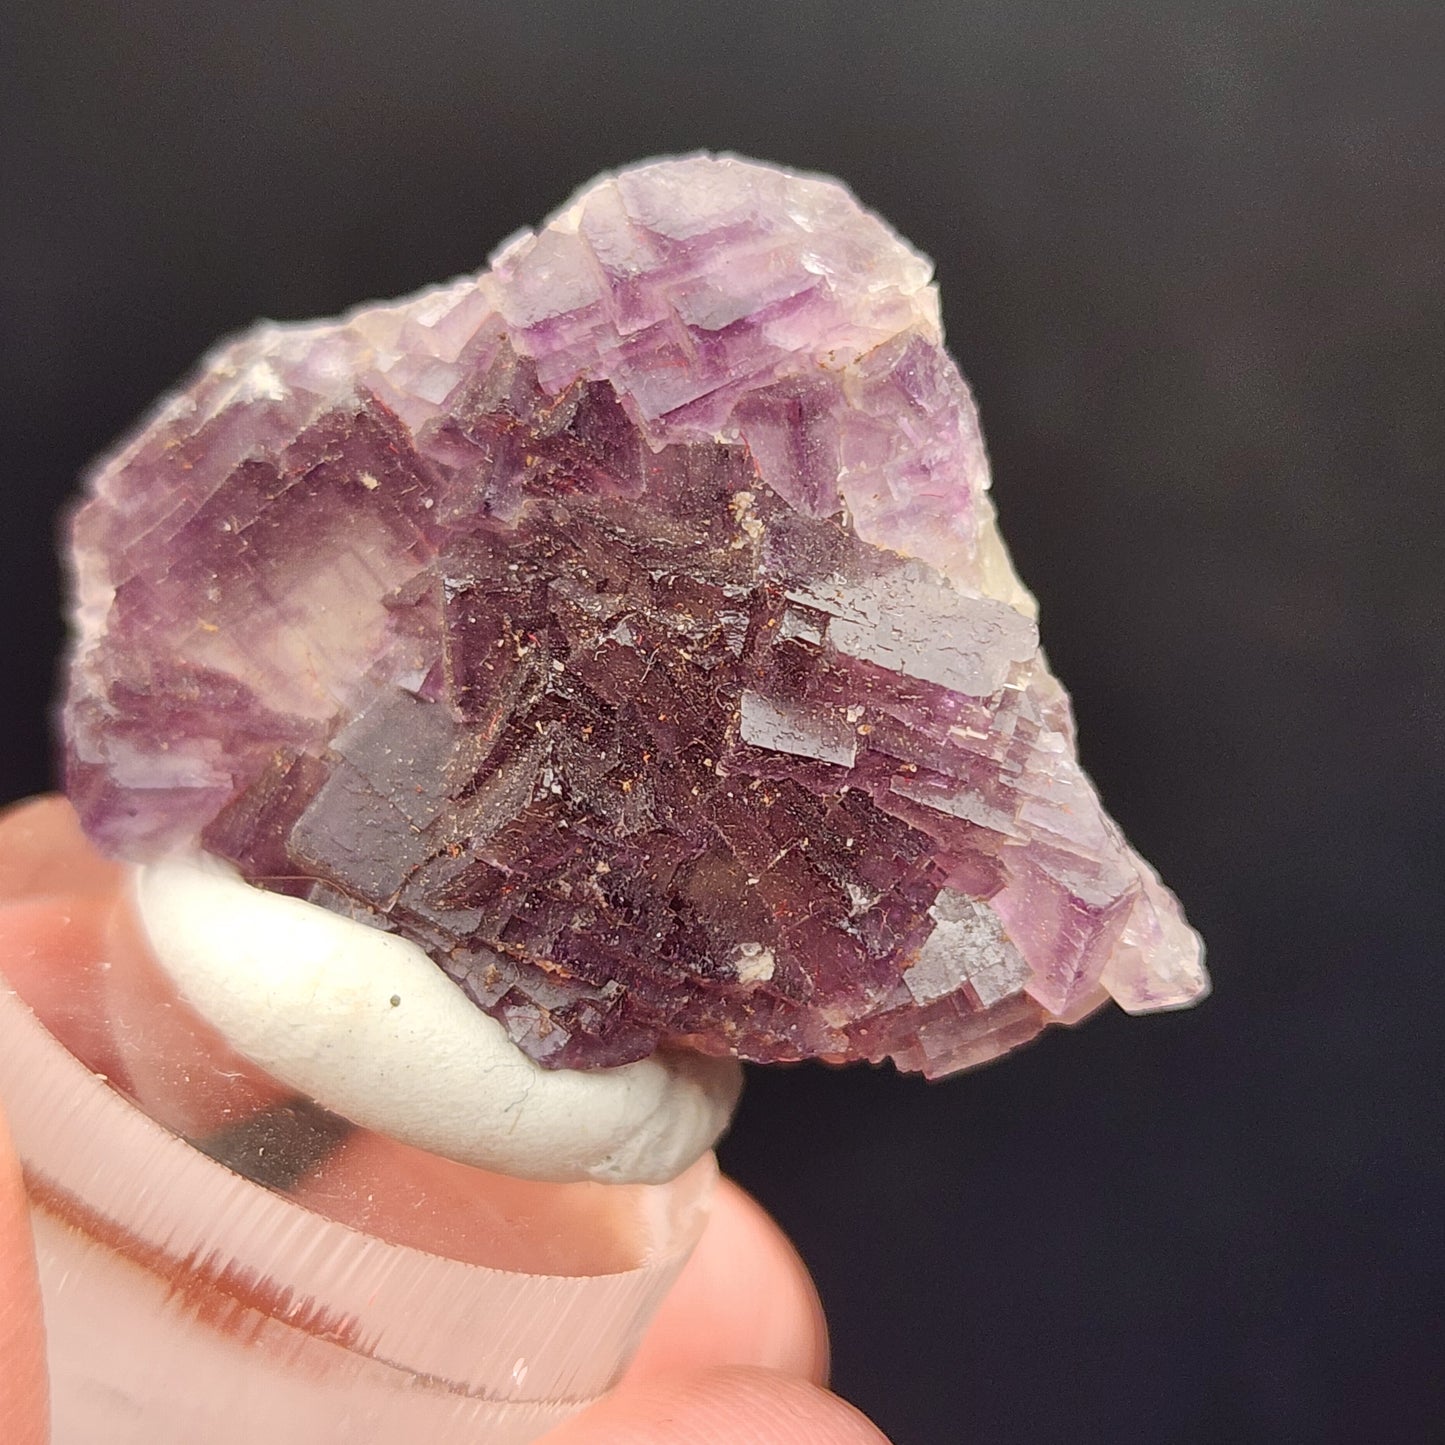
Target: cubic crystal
{"points": [[628, 626]]}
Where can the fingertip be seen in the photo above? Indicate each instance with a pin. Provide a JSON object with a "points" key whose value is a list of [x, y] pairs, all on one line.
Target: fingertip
{"points": [[725, 1406], [43, 853], [745, 1298]]}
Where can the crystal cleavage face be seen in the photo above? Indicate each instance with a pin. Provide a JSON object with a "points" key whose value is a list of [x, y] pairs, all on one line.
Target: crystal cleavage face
{"points": [[628, 626]]}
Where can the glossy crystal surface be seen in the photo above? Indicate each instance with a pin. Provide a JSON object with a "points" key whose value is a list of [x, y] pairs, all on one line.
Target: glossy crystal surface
{"points": [[627, 625]]}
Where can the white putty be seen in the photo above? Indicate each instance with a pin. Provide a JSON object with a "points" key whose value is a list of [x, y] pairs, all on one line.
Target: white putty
{"points": [[365, 1024]]}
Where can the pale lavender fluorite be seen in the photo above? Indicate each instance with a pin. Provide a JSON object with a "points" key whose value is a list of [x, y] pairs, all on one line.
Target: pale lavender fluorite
{"points": [[628, 626]]}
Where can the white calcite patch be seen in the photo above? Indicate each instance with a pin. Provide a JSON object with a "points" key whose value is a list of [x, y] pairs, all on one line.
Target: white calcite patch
{"points": [[365, 1024], [756, 963]]}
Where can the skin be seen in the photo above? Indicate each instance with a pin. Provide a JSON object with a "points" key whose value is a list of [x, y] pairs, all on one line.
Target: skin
{"points": [[23, 1407], [737, 1355]]}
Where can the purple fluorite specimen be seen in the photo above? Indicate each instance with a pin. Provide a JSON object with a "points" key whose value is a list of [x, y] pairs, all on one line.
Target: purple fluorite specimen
{"points": [[628, 626]]}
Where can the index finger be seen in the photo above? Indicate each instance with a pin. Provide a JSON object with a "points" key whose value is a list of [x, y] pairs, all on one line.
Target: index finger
{"points": [[744, 1299]]}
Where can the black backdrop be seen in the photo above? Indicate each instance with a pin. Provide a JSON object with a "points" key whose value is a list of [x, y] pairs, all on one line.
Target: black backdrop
{"points": [[1191, 259]]}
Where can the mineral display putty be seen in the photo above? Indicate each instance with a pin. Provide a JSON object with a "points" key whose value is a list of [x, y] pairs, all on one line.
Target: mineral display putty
{"points": [[365, 1024]]}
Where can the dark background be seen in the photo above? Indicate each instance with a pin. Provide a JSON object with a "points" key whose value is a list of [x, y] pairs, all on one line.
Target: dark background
{"points": [[1191, 259]]}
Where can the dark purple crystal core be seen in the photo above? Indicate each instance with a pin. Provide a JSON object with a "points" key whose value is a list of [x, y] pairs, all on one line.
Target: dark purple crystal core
{"points": [[627, 626]]}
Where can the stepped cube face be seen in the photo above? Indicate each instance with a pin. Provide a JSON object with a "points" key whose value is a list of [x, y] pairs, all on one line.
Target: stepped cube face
{"points": [[627, 625]]}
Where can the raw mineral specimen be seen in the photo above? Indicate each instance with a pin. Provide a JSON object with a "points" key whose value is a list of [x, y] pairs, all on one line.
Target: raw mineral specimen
{"points": [[628, 626]]}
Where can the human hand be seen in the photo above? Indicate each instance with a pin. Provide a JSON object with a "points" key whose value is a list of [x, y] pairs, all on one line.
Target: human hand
{"points": [[737, 1354]]}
